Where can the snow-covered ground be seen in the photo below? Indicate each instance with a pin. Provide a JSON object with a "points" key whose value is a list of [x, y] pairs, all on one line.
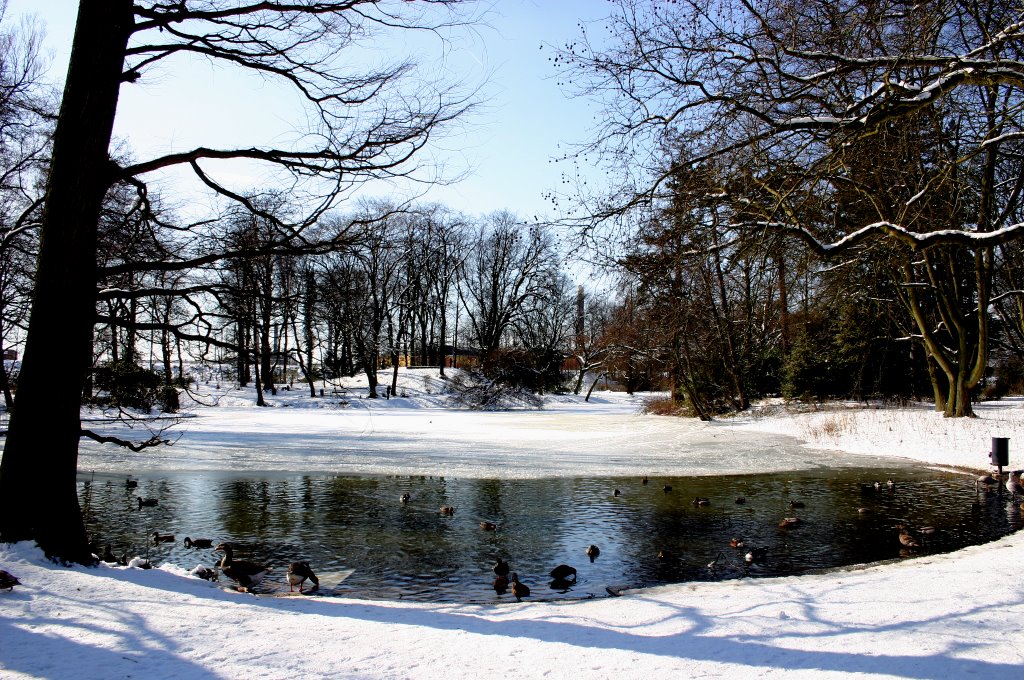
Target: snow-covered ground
{"points": [[940, 616]]}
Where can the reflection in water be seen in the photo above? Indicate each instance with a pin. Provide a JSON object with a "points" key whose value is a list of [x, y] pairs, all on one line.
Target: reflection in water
{"points": [[646, 536]]}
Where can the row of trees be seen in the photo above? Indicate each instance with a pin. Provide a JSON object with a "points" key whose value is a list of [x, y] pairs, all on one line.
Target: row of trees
{"points": [[830, 187]]}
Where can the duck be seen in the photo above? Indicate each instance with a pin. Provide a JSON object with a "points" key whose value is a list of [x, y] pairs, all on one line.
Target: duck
{"points": [[8, 580], [701, 501], [592, 552], [519, 590], [789, 522], [298, 573], [198, 542], [405, 497], [205, 573], [616, 493], [644, 480], [986, 481], [147, 502], [108, 555], [796, 505], [740, 500], [563, 572], [500, 584], [736, 543], [162, 538], [890, 484], [488, 526], [906, 538], [666, 488], [1013, 484], [501, 567], [447, 510], [246, 574], [755, 555], [131, 483]]}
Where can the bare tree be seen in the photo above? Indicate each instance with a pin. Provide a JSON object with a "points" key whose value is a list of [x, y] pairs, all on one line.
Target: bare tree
{"points": [[509, 269], [25, 126]]}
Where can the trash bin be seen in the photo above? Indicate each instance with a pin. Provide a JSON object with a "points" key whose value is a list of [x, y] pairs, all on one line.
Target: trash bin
{"points": [[1000, 454]]}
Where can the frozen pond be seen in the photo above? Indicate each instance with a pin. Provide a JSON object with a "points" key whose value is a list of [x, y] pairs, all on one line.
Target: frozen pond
{"points": [[595, 440]]}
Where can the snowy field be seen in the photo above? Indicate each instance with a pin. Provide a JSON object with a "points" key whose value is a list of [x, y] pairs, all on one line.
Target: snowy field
{"points": [[940, 616]]}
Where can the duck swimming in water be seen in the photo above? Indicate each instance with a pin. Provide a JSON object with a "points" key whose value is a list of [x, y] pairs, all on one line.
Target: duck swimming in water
{"points": [[907, 539], [563, 572]]}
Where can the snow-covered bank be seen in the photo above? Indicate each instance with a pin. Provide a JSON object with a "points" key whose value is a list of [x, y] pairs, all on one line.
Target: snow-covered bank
{"points": [[940, 616], [917, 432]]}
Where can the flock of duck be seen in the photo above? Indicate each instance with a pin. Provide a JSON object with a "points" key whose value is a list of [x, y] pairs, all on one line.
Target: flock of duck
{"points": [[564, 576], [247, 574]]}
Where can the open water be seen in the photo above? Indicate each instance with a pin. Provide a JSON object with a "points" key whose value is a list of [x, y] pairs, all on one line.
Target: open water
{"points": [[356, 526]]}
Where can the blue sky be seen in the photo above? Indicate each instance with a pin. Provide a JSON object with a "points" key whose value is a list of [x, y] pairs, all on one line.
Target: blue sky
{"points": [[505, 148]]}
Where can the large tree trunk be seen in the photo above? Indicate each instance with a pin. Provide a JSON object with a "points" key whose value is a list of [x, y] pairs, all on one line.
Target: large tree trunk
{"points": [[38, 498]]}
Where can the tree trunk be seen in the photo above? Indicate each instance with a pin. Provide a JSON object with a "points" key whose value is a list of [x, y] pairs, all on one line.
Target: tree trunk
{"points": [[579, 375], [5, 383], [308, 323], [590, 390], [38, 498]]}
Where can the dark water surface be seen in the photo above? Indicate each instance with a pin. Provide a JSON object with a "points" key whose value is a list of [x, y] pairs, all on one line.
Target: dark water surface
{"points": [[397, 550]]}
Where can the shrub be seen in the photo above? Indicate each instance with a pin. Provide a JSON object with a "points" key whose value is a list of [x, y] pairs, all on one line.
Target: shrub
{"points": [[667, 407], [473, 389], [1009, 379], [126, 384]]}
